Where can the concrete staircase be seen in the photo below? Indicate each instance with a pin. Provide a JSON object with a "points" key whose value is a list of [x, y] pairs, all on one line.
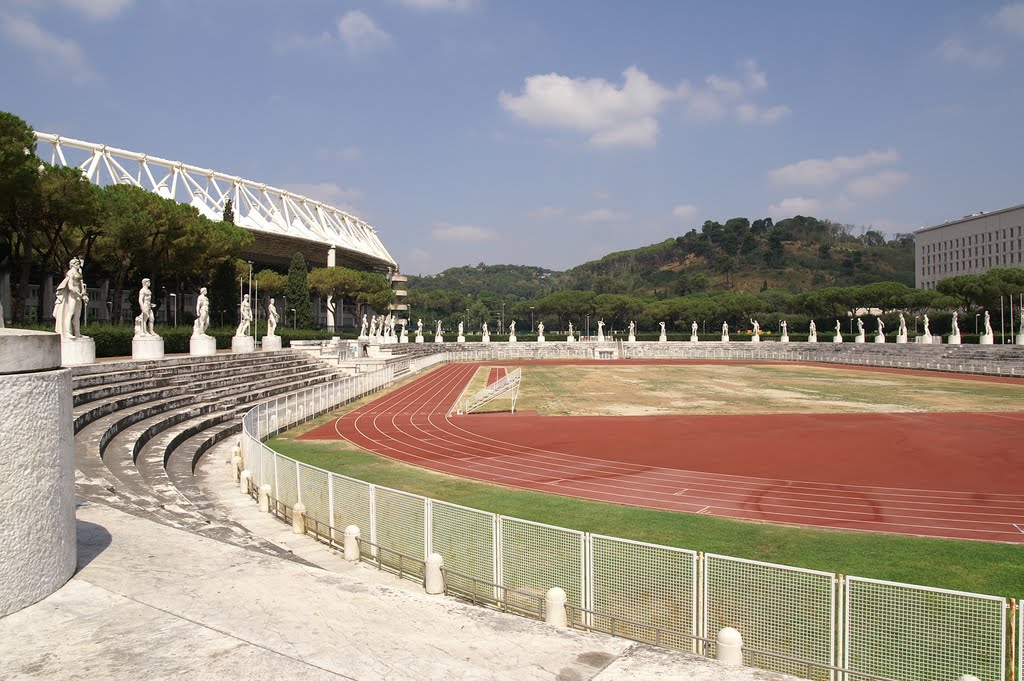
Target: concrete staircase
{"points": [[141, 427]]}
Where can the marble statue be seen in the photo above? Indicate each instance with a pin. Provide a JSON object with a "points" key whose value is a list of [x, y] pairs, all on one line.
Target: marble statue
{"points": [[273, 316], [838, 338], [632, 327], [244, 317], [419, 327], [725, 328], [1, 314], [600, 330], [437, 327], [954, 332], [860, 327], [540, 329], [662, 328], [512, 328], [988, 325], [693, 329], [461, 329], [812, 332], [71, 298], [755, 328], [881, 327], [1021, 332], [364, 327], [144, 322], [927, 331], [484, 332], [569, 337], [202, 322], [785, 328]]}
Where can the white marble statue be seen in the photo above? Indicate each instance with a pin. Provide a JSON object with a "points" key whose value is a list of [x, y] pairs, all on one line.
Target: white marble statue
{"points": [[693, 328], [244, 317], [540, 329], [755, 328], [70, 299], [144, 322], [484, 332], [988, 325], [202, 322], [512, 328], [860, 327], [662, 328], [954, 332], [461, 329], [813, 329], [725, 328], [927, 330], [600, 330], [569, 336], [881, 327], [273, 316], [364, 327], [785, 328], [437, 330], [632, 328]]}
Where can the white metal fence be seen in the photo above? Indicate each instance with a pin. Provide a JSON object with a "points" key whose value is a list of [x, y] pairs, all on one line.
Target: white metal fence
{"points": [[867, 627]]}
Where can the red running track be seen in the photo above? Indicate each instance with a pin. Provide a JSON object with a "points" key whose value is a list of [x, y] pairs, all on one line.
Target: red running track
{"points": [[954, 475]]}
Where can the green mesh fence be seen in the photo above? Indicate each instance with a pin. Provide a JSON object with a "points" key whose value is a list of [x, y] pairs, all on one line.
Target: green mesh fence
{"points": [[536, 557], [908, 632], [465, 538], [400, 519]]}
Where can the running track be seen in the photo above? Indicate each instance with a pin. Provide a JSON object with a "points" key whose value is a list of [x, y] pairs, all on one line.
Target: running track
{"points": [[952, 475]]}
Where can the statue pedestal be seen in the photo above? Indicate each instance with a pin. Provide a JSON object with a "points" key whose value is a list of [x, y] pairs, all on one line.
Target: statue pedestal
{"points": [[725, 338], [663, 338], [838, 338], [631, 339], [363, 337], [512, 338], [243, 344], [755, 338], [901, 338], [953, 340], [600, 338], [859, 338], [460, 339], [540, 339], [439, 339], [202, 345], [879, 338], [570, 339], [1019, 339], [148, 347], [271, 342], [813, 338], [694, 339], [485, 339], [925, 339], [404, 338], [784, 339], [986, 339], [419, 338], [77, 351]]}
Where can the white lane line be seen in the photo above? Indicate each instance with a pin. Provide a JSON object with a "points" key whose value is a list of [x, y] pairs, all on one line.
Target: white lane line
{"points": [[703, 510], [680, 492], [1019, 528]]}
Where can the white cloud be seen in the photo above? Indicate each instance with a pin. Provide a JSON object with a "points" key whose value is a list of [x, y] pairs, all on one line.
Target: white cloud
{"points": [[1011, 18], [955, 51], [612, 116], [98, 9], [326, 192], [751, 113], [753, 75], [879, 184], [360, 34], [547, 213], [605, 215], [443, 231], [443, 5], [53, 53], [796, 205], [685, 212], [818, 172]]}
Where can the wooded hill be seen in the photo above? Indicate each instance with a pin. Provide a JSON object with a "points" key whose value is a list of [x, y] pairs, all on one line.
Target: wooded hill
{"points": [[796, 254]]}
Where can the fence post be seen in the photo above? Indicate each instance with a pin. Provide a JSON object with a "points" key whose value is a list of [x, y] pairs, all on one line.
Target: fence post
{"points": [[264, 497], [243, 481], [236, 464], [299, 518], [554, 607], [351, 546], [433, 579], [729, 647]]}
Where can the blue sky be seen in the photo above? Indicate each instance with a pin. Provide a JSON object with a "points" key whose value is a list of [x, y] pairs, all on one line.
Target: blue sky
{"points": [[547, 132]]}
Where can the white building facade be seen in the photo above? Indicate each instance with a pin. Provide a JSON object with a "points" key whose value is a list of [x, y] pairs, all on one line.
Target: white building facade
{"points": [[972, 245]]}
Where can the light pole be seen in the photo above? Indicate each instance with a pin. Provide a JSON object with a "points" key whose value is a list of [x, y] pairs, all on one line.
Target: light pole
{"points": [[110, 312], [295, 316], [531, 319], [503, 315], [915, 324], [588, 326], [174, 303], [704, 326], [976, 324]]}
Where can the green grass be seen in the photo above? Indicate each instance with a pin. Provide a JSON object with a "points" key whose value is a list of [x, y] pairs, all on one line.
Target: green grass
{"points": [[980, 567]]}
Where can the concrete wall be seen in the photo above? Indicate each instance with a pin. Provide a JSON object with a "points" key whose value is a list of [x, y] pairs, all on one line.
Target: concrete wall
{"points": [[38, 551], [972, 245]]}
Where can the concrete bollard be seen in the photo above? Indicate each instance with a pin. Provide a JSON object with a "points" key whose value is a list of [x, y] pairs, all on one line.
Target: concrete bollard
{"points": [[264, 497], [729, 647], [433, 578], [236, 466], [351, 545], [299, 518], [554, 607], [243, 481], [968, 677]]}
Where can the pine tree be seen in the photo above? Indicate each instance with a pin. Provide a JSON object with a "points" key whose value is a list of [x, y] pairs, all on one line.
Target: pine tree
{"points": [[297, 292], [229, 212]]}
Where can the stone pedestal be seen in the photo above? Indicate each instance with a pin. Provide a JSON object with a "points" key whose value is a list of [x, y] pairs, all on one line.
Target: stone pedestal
{"points": [[512, 338], [77, 351], [600, 338], [859, 338], [243, 344], [725, 338], [540, 339], [200, 346], [570, 339], [485, 339], [838, 338], [404, 338], [694, 339], [663, 338], [271, 342], [38, 550], [631, 339], [419, 338], [812, 338], [784, 339], [925, 339], [1019, 340], [986, 339], [954, 340], [755, 338], [439, 339], [148, 347], [879, 338], [901, 338], [460, 339]]}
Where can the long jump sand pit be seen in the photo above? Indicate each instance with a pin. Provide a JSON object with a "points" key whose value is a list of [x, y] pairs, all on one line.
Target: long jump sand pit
{"points": [[905, 452]]}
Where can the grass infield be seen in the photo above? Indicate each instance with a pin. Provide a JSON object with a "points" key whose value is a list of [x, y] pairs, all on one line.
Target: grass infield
{"points": [[979, 567]]}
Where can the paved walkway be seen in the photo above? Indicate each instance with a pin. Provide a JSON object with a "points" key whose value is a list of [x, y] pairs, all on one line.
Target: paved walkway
{"points": [[154, 602]]}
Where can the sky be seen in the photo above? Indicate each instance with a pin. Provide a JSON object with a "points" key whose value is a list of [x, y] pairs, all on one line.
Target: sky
{"points": [[547, 132]]}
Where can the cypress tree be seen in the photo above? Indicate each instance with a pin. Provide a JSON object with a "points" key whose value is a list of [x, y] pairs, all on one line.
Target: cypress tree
{"points": [[297, 291]]}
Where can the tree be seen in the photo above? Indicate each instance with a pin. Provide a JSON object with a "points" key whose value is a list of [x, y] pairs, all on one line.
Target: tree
{"points": [[19, 177], [297, 292], [229, 212]]}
